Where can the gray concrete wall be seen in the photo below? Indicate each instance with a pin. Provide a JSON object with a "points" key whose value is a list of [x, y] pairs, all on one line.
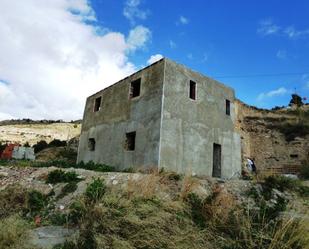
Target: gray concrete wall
{"points": [[118, 115], [190, 127]]}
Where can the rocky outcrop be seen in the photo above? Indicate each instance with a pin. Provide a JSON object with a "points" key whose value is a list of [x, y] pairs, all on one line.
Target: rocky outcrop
{"points": [[264, 138]]}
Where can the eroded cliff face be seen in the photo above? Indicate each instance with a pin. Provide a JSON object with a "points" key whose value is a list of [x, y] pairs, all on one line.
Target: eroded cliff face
{"points": [[277, 140]]}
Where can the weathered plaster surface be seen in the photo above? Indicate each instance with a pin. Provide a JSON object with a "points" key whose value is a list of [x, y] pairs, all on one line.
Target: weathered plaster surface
{"points": [[118, 115], [190, 127], [172, 131]]}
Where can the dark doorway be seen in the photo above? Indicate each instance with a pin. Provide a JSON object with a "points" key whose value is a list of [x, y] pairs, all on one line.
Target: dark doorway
{"points": [[216, 170]]}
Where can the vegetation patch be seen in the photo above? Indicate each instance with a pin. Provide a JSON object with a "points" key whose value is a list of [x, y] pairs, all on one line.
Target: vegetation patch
{"points": [[13, 233], [67, 189], [58, 175], [95, 190], [291, 130], [12, 200], [36, 201], [304, 170]]}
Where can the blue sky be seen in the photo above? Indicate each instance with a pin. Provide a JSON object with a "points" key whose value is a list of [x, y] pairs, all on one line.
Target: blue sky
{"points": [[226, 38], [56, 53]]}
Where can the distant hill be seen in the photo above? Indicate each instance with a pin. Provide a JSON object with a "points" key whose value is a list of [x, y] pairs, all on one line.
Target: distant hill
{"points": [[31, 131], [30, 121]]}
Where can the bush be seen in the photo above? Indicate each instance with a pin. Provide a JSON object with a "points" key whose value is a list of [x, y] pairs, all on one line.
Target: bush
{"points": [[304, 170], [196, 209], [77, 211], [95, 190], [95, 166], [2, 147], [68, 188], [284, 183], [36, 201], [57, 143], [39, 146], [291, 131], [59, 175]]}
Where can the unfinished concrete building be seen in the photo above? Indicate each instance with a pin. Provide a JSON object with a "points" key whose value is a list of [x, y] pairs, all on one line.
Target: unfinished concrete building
{"points": [[163, 116]]}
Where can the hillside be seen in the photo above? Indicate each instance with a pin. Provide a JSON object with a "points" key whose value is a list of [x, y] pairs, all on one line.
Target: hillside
{"points": [[32, 132], [277, 139], [76, 208]]}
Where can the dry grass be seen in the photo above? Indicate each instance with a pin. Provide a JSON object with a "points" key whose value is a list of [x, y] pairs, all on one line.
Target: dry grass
{"points": [[219, 205], [12, 200], [13, 233], [189, 183]]}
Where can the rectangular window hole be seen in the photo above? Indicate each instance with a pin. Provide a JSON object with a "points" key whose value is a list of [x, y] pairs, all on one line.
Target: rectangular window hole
{"points": [[97, 104], [135, 88], [91, 144], [227, 107], [294, 156], [130, 140], [192, 90]]}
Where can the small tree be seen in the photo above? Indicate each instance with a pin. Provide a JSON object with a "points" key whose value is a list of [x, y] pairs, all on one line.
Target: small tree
{"points": [[296, 100], [27, 144], [41, 145], [2, 147]]}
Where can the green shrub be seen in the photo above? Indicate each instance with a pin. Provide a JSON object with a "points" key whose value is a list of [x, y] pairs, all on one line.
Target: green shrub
{"points": [[95, 166], [95, 190], [284, 183], [36, 201], [68, 188], [291, 130], [77, 211], [57, 143], [39, 146], [58, 219], [304, 170], [196, 209], [59, 175]]}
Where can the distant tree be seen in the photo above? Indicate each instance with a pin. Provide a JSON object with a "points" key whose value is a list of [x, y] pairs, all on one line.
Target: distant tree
{"points": [[296, 100], [27, 144], [2, 147], [57, 143], [41, 145]]}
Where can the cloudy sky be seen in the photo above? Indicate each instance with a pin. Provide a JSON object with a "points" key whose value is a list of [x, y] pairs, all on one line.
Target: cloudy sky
{"points": [[54, 53]]}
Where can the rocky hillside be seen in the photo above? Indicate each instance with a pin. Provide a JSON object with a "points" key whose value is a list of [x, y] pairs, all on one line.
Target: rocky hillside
{"points": [[34, 131], [53, 208], [277, 139]]}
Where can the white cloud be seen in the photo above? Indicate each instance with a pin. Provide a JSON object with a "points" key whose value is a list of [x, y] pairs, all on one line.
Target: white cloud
{"points": [[172, 44], [190, 56], [183, 20], [132, 11], [52, 60], [278, 92], [281, 54], [154, 58], [292, 33], [138, 37], [268, 27]]}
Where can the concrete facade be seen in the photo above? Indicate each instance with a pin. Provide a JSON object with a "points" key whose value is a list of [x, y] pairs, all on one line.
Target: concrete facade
{"points": [[172, 130]]}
